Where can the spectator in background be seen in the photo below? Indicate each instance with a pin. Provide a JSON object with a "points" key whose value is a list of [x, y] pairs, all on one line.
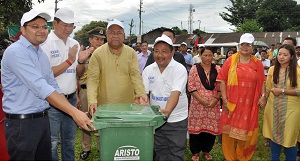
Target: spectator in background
{"points": [[197, 58], [204, 109], [241, 77], [194, 51], [138, 47], [234, 49], [188, 57], [143, 56], [298, 57], [229, 53], [96, 39], [258, 53], [276, 50], [281, 115], [177, 56], [266, 62], [67, 61], [270, 52], [218, 57]]}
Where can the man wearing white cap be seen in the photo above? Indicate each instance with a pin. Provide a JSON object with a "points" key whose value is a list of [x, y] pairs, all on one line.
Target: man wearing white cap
{"points": [[165, 81], [28, 86], [113, 73], [67, 61], [187, 56]]}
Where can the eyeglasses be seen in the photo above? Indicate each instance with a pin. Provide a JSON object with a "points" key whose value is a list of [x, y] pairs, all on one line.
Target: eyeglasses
{"points": [[118, 33], [246, 44], [68, 25], [36, 27]]}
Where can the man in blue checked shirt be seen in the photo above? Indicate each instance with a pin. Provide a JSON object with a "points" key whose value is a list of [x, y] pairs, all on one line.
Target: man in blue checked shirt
{"points": [[29, 86], [188, 57]]}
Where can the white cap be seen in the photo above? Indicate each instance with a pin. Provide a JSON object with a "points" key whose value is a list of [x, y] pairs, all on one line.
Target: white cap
{"points": [[28, 16], [65, 14], [247, 38], [115, 22], [183, 43], [163, 38]]}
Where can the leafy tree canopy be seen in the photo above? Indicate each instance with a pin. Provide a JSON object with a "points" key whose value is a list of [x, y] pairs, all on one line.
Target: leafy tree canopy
{"points": [[82, 36], [271, 15]]}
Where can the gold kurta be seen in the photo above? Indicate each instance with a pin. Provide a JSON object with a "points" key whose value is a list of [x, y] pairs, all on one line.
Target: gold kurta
{"points": [[282, 113], [112, 78]]}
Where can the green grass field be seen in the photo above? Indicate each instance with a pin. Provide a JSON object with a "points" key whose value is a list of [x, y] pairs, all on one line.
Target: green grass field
{"points": [[261, 153]]}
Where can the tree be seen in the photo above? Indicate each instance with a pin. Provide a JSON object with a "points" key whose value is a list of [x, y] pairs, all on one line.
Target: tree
{"points": [[249, 26], [197, 31], [240, 11], [184, 31], [82, 36], [278, 15], [11, 12], [271, 15], [176, 30]]}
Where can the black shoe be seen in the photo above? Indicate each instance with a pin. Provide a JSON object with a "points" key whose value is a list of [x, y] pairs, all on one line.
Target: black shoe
{"points": [[84, 154]]}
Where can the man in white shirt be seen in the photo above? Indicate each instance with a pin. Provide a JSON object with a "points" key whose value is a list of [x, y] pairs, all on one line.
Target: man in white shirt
{"points": [[266, 62], [165, 81], [67, 61], [197, 58]]}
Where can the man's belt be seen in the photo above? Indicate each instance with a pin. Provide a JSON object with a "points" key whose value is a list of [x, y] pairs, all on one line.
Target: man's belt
{"points": [[83, 86], [27, 116], [70, 95]]}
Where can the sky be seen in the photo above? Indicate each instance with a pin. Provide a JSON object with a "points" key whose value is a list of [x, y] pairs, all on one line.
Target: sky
{"points": [[156, 13]]}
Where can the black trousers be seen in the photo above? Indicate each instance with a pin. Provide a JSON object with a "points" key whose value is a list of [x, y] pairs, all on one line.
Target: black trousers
{"points": [[201, 142], [28, 139]]}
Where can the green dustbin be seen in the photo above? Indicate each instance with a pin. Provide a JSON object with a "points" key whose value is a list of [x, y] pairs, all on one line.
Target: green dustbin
{"points": [[127, 131]]}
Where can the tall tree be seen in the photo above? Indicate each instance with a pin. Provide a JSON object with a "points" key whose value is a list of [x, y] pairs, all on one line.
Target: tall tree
{"points": [[11, 11], [278, 15], [82, 36], [176, 30], [240, 11], [249, 26]]}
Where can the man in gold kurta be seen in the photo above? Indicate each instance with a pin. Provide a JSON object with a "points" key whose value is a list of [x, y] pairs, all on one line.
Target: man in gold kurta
{"points": [[113, 74]]}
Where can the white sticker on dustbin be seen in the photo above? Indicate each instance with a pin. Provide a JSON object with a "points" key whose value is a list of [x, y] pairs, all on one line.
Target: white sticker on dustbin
{"points": [[127, 153]]}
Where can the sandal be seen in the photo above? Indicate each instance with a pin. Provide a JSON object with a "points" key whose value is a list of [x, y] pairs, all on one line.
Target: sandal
{"points": [[267, 143], [195, 157], [207, 156]]}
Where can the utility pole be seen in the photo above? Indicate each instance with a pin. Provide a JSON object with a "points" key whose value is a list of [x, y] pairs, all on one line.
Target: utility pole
{"points": [[140, 16], [191, 10], [139, 38], [56, 1], [131, 25]]}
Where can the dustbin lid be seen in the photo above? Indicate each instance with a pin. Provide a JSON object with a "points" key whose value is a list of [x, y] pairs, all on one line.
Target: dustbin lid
{"points": [[127, 115]]}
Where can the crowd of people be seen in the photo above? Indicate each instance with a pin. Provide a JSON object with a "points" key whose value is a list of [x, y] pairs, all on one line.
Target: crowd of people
{"points": [[54, 84]]}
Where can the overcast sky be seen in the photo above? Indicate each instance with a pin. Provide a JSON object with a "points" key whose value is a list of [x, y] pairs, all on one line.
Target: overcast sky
{"points": [[157, 13]]}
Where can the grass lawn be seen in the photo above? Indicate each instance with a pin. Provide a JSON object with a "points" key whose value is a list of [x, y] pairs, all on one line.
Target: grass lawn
{"points": [[261, 153]]}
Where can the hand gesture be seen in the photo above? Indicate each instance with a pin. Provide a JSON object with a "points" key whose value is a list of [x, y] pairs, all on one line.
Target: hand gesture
{"points": [[84, 54], [72, 53]]}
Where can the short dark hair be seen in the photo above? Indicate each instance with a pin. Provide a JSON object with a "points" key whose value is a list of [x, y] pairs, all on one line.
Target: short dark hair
{"points": [[57, 19], [145, 42], [169, 30], [292, 39]]}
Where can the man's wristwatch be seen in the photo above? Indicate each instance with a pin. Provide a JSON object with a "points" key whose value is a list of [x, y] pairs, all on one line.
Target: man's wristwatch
{"points": [[80, 62], [282, 91]]}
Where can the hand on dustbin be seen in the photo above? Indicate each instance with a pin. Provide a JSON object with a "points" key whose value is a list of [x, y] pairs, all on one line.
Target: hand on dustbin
{"points": [[82, 120], [144, 100], [92, 108], [167, 112]]}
